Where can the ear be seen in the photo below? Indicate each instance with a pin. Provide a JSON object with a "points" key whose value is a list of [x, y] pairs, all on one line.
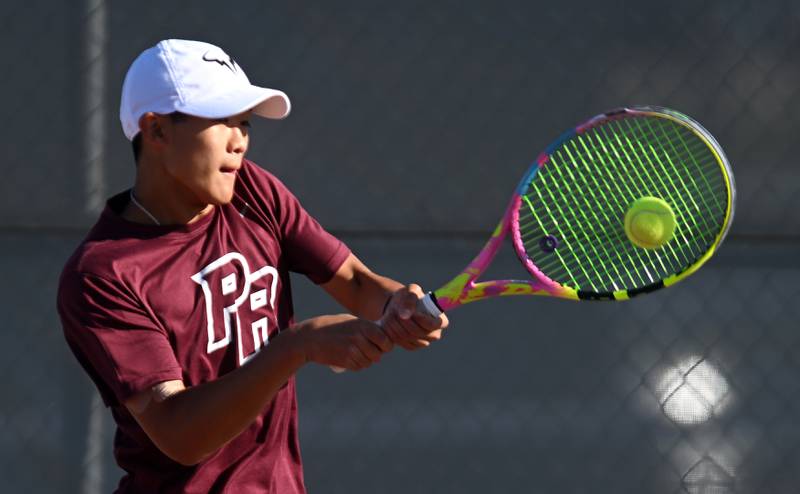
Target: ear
{"points": [[151, 127]]}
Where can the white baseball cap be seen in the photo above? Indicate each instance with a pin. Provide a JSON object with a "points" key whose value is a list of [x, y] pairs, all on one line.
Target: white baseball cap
{"points": [[195, 78]]}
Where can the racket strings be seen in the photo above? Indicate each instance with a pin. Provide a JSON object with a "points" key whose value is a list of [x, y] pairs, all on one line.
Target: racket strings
{"points": [[583, 204], [568, 239], [698, 189], [616, 232], [560, 259], [581, 220], [649, 182], [612, 234], [641, 179], [690, 171]]}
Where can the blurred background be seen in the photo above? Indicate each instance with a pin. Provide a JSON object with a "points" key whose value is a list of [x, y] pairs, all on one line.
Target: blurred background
{"points": [[412, 122]]}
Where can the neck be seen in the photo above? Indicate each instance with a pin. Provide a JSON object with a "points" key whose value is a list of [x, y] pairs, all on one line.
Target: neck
{"points": [[161, 200]]}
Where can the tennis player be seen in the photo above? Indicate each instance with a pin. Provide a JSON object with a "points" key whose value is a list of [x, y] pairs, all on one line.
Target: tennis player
{"points": [[178, 304]]}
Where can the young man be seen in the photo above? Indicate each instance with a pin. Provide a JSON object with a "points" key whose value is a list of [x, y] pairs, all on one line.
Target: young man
{"points": [[178, 304]]}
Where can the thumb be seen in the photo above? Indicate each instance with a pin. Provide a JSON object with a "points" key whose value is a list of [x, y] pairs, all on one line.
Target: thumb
{"points": [[405, 304]]}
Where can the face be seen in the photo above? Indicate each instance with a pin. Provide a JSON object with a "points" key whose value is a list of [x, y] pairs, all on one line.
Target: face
{"points": [[202, 156]]}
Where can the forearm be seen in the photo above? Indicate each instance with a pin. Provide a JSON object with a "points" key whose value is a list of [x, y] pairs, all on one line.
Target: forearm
{"points": [[361, 291], [373, 292], [192, 423], [196, 422]]}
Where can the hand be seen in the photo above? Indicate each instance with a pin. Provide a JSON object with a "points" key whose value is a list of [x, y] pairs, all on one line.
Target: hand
{"points": [[343, 341], [406, 325]]}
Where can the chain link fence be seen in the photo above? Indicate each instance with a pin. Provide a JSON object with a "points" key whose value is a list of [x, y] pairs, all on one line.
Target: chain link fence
{"points": [[402, 112]]}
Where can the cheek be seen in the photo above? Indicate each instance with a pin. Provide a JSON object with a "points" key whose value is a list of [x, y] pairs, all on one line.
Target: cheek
{"points": [[195, 160]]}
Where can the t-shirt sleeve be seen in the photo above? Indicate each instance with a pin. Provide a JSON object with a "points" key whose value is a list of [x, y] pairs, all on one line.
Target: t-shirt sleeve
{"points": [[113, 337], [307, 247]]}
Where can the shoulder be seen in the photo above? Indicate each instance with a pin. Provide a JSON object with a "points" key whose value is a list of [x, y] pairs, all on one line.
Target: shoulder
{"points": [[103, 253], [262, 189], [254, 176], [91, 257], [97, 256], [91, 261]]}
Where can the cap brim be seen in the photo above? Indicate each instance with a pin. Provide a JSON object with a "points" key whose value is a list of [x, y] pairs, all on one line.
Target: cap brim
{"points": [[265, 102]]}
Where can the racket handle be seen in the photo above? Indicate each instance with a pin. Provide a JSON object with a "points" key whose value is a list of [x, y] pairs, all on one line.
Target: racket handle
{"points": [[427, 305]]}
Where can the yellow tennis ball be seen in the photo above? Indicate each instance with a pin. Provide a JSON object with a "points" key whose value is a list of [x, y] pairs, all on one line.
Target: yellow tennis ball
{"points": [[650, 223]]}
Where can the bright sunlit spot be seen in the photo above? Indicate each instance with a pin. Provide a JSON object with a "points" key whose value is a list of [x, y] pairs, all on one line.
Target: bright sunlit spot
{"points": [[693, 391]]}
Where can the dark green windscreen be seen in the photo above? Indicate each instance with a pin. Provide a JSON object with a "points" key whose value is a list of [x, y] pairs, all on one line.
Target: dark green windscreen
{"points": [[581, 195]]}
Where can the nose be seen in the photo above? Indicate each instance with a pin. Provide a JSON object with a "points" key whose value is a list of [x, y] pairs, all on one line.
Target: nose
{"points": [[237, 143]]}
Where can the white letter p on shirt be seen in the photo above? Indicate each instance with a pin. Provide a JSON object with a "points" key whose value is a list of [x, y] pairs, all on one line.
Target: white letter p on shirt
{"points": [[239, 283]]}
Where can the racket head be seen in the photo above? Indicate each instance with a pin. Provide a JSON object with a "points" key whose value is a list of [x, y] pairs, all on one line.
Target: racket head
{"points": [[567, 215]]}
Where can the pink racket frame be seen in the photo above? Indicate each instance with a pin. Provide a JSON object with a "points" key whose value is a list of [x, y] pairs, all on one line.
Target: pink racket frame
{"points": [[464, 288]]}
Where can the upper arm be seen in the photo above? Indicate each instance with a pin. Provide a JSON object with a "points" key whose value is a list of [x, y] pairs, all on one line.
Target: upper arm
{"points": [[114, 338], [138, 403], [150, 411]]}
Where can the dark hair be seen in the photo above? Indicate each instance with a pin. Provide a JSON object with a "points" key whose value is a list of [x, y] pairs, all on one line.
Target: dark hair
{"points": [[136, 143]]}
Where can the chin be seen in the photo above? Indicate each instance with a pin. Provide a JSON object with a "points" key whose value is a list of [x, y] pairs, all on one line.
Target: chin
{"points": [[219, 196], [222, 199]]}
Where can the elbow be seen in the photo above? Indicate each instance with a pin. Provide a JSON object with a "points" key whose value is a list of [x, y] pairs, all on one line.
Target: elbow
{"points": [[179, 439], [181, 446]]}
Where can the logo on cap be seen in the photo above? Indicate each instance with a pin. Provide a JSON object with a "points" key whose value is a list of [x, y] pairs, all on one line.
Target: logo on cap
{"points": [[221, 58]]}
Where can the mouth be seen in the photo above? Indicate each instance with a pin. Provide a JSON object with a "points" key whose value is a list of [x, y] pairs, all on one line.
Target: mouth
{"points": [[229, 170]]}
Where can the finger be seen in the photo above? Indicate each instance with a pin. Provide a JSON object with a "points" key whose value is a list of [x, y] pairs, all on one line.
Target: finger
{"points": [[417, 345], [390, 330], [408, 346], [430, 323], [381, 340], [369, 349], [359, 358], [399, 330], [416, 290], [434, 336], [406, 300], [429, 338], [424, 342], [425, 322], [411, 339], [415, 329]]}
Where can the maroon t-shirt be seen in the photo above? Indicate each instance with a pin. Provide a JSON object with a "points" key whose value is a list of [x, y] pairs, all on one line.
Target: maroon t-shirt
{"points": [[143, 304]]}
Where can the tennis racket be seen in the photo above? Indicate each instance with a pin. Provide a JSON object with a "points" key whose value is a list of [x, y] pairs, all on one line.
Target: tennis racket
{"points": [[566, 218]]}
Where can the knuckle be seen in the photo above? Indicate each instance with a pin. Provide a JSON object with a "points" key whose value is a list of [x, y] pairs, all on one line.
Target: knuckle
{"points": [[408, 332], [383, 339]]}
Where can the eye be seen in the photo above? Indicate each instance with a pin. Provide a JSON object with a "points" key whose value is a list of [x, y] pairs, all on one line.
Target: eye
{"points": [[245, 123]]}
